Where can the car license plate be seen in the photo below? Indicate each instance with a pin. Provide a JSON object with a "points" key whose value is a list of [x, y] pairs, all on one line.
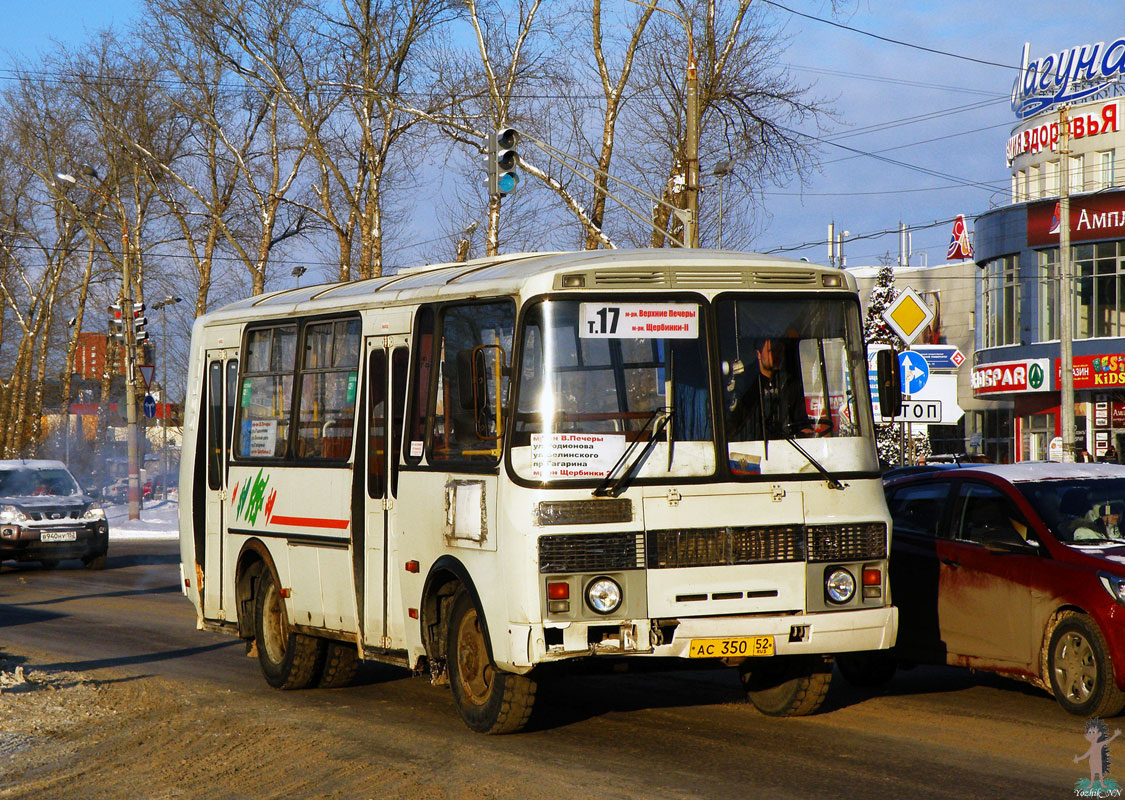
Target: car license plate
{"points": [[732, 647], [58, 536]]}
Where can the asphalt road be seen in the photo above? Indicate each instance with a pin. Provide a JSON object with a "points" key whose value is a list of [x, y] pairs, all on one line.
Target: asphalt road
{"points": [[935, 732]]}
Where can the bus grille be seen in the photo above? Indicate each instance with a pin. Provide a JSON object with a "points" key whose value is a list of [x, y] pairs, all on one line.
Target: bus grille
{"points": [[591, 552], [847, 542], [712, 547]]}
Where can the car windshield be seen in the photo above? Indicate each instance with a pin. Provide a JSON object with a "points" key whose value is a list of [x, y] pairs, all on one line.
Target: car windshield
{"points": [[37, 482], [1082, 511]]}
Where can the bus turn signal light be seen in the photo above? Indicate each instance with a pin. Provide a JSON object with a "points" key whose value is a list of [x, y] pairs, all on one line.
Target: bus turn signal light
{"points": [[558, 591]]}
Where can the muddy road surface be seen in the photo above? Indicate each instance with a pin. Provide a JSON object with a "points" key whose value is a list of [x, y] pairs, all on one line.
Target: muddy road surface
{"points": [[108, 691]]}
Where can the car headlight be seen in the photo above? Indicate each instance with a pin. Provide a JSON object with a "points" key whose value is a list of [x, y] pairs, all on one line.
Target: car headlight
{"points": [[1114, 585], [95, 511], [839, 586], [11, 514], [603, 595]]}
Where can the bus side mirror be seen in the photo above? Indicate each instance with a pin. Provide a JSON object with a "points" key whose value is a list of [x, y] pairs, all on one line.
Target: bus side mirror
{"points": [[889, 382], [467, 375]]}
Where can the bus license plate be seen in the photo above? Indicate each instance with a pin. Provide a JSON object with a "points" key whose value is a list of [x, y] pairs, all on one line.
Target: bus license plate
{"points": [[58, 536], [732, 647]]}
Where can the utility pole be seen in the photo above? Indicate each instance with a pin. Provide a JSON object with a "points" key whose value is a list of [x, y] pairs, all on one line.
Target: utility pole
{"points": [[692, 144], [129, 331], [1066, 295]]}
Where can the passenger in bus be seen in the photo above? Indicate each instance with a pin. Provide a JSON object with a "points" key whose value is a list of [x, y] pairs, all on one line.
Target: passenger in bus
{"points": [[773, 404]]}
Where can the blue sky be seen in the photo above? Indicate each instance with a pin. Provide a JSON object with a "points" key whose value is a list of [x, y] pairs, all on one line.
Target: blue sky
{"points": [[871, 83]]}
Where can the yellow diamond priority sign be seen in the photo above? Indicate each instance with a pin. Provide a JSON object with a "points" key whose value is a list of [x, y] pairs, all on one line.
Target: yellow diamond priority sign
{"points": [[908, 315]]}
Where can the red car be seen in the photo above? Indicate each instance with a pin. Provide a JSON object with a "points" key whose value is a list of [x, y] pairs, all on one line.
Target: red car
{"points": [[1017, 569]]}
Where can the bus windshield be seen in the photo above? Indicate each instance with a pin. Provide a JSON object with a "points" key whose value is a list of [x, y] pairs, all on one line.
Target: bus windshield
{"points": [[600, 377]]}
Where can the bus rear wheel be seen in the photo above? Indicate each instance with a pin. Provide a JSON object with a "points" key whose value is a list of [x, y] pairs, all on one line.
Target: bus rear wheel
{"points": [[786, 686], [289, 660], [488, 699], [341, 662]]}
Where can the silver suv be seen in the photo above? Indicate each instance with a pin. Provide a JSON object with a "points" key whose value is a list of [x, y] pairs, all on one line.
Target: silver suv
{"points": [[45, 517]]}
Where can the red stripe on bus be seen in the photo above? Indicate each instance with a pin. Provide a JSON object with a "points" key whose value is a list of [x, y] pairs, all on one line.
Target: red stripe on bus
{"points": [[312, 522]]}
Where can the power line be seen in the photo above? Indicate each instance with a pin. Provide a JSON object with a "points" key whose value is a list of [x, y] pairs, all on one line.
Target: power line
{"points": [[891, 41]]}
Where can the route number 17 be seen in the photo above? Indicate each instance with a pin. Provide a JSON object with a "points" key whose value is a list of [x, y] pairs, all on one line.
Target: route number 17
{"points": [[606, 322]]}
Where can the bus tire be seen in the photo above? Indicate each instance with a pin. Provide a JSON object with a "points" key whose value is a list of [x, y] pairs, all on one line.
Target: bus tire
{"points": [[341, 662], [787, 686], [289, 660], [488, 699]]}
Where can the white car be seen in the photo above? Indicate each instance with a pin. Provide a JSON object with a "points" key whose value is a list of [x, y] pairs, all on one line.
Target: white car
{"points": [[46, 517]]}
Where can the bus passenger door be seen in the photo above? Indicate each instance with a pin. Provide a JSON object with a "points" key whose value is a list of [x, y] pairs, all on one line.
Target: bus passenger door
{"points": [[386, 398], [222, 381]]}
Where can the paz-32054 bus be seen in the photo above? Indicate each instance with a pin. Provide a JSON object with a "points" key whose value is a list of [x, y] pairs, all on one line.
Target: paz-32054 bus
{"points": [[476, 469]]}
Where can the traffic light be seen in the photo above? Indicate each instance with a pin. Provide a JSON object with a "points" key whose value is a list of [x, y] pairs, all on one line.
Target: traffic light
{"points": [[140, 334], [116, 322], [503, 161]]}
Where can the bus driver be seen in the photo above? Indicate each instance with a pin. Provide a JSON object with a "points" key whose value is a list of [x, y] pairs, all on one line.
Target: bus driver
{"points": [[773, 405]]}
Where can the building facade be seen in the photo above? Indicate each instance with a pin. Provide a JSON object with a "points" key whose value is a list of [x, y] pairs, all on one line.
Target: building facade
{"points": [[1016, 330]]}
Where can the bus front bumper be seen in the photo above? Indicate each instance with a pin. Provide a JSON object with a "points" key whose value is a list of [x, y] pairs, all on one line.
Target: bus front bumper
{"points": [[800, 634], [820, 633]]}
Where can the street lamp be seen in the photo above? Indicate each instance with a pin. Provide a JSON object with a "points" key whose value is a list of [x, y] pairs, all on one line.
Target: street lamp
{"points": [[133, 443], [298, 272], [721, 170], [167, 301]]}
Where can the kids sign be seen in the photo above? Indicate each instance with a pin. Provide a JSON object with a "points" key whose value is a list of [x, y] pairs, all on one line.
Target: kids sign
{"points": [[639, 321]]}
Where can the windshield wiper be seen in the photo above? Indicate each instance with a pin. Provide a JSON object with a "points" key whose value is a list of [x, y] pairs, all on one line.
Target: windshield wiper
{"points": [[832, 481], [612, 487]]}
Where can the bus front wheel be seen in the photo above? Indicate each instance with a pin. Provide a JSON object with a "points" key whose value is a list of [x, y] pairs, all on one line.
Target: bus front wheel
{"points": [[786, 686], [488, 699], [289, 660]]}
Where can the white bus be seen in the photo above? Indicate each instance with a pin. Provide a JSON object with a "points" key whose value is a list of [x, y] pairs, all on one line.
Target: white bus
{"points": [[477, 469]]}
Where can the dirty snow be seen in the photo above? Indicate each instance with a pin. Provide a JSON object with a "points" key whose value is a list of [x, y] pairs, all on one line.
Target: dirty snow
{"points": [[159, 520]]}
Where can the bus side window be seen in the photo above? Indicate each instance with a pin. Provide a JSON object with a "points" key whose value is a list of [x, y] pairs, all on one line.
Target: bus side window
{"points": [[376, 425], [329, 375], [420, 385], [473, 378]]}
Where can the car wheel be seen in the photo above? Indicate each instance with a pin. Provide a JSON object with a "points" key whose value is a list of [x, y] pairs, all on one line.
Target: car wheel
{"points": [[289, 660], [341, 662], [871, 670], [96, 561], [1081, 671], [786, 686], [488, 699]]}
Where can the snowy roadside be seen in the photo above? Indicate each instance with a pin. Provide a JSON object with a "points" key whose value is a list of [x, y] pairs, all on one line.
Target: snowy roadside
{"points": [[159, 520]]}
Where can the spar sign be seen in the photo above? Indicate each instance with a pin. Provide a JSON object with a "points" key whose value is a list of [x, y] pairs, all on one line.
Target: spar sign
{"points": [[1012, 376]]}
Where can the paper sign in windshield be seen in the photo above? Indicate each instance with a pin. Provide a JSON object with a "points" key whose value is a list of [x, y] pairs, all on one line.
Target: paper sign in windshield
{"points": [[574, 455], [263, 437], [639, 321]]}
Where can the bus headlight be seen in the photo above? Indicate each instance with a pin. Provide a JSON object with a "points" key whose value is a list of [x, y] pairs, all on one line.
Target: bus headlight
{"points": [[839, 585], [603, 595]]}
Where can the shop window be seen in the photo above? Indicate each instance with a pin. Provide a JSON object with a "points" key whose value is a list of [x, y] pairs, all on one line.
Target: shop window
{"points": [[1051, 179], [1107, 169], [1099, 299], [1077, 174], [1001, 302]]}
